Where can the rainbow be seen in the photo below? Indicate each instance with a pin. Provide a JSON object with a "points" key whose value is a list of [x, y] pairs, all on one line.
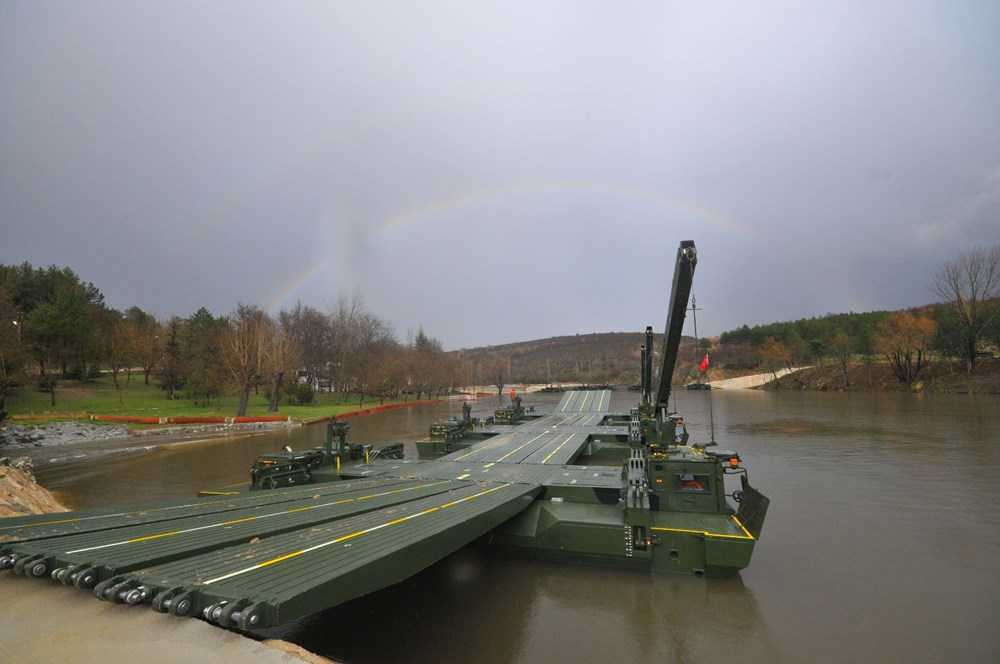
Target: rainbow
{"points": [[436, 210]]}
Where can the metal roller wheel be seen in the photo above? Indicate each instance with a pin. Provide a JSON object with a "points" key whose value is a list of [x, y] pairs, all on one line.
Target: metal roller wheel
{"points": [[182, 605]]}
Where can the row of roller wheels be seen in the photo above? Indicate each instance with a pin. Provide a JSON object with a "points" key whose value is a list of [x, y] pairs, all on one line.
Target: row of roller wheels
{"points": [[240, 615], [35, 565]]}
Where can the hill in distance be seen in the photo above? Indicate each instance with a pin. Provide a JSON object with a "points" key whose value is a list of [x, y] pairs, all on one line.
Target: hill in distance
{"points": [[595, 358]]}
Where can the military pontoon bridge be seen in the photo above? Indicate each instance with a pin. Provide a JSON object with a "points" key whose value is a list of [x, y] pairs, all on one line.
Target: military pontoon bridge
{"points": [[286, 553], [269, 557]]}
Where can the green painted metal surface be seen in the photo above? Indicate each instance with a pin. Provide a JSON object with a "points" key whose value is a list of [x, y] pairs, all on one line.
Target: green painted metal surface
{"points": [[54, 525], [292, 575], [110, 552]]}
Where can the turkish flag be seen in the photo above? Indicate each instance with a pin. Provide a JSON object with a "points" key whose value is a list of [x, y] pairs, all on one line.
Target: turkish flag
{"points": [[703, 367]]}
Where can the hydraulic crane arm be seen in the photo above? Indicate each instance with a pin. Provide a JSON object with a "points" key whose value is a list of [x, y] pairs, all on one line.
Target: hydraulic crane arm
{"points": [[680, 293]]}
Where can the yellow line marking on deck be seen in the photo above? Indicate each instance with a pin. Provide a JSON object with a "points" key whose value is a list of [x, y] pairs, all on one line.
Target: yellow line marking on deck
{"points": [[201, 503], [344, 538], [171, 533], [546, 459], [523, 446]]}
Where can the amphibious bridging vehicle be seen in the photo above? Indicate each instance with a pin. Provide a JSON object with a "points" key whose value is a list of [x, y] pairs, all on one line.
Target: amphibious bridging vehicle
{"points": [[324, 526]]}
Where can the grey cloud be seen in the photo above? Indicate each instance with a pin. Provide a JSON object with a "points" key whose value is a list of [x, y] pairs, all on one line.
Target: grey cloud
{"points": [[499, 172]]}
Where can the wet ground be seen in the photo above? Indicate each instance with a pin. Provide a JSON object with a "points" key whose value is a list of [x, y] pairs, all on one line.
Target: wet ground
{"points": [[42, 623], [882, 543]]}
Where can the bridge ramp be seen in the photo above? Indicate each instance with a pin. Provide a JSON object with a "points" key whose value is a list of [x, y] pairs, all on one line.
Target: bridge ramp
{"points": [[283, 578], [84, 521], [102, 554], [584, 401]]}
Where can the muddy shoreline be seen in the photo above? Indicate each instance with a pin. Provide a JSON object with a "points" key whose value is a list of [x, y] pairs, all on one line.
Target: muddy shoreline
{"points": [[76, 623], [74, 443]]}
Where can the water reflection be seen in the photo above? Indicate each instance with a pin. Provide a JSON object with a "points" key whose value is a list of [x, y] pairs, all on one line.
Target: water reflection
{"points": [[484, 606]]}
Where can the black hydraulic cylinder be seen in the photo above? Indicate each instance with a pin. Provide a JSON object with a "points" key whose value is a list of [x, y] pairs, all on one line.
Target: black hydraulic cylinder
{"points": [[644, 386], [680, 293], [647, 366]]}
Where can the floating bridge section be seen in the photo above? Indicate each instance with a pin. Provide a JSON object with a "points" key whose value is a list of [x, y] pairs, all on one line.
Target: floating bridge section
{"points": [[585, 401], [265, 558], [555, 439], [261, 559]]}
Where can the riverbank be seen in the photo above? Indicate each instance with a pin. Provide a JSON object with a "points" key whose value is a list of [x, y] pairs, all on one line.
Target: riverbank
{"points": [[20, 493], [749, 381], [58, 443], [944, 377], [144, 405]]}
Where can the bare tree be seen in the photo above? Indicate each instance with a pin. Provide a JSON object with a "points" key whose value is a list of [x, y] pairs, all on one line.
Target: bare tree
{"points": [[774, 355], [906, 340], [12, 351], [243, 350], [499, 371], [311, 331], [148, 348], [121, 350], [968, 284], [282, 357], [842, 348]]}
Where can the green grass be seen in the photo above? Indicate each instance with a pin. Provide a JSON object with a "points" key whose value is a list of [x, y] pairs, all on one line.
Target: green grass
{"points": [[99, 397]]}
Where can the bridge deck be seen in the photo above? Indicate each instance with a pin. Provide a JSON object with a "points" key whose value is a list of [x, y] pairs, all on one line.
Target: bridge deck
{"points": [[281, 554], [585, 401], [119, 550], [601, 477], [588, 420], [84, 521], [553, 439], [289, 576]]}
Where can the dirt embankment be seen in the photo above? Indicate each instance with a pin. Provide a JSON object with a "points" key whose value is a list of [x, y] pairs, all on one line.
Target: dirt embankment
{"points": [[941, 377], [20, 494]]}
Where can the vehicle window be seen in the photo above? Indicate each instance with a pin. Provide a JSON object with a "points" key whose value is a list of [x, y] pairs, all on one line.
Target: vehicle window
{"points": [[689, 483]]}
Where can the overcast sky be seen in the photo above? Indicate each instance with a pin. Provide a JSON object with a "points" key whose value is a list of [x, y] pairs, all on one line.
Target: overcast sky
{"points": [[501, 171]]}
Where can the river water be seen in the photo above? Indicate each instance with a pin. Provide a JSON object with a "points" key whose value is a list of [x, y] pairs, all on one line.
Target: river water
{"points": [[882, 543]]}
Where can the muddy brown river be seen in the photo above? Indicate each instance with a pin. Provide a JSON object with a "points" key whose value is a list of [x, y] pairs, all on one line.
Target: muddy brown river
{"points": [[882, 543]]}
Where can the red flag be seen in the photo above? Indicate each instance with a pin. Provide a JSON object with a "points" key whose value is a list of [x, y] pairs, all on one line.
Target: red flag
{"points": [[703, 367]]}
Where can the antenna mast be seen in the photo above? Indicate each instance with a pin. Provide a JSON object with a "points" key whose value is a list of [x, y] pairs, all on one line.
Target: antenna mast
{"points": [[697, 350]]}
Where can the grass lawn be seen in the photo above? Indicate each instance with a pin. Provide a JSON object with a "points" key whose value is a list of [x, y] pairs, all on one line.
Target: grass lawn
{"points": [[75, 399]]}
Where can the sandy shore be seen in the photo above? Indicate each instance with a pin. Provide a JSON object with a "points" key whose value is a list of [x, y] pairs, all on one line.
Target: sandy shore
{"points": [[48, 622]]}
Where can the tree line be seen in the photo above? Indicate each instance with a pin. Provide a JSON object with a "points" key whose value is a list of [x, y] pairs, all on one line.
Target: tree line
{"points": [[55, 326], [965, 325]]}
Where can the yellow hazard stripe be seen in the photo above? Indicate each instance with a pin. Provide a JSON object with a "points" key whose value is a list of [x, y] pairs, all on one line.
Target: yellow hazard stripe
{"points": [[745, 536], [742, 527], [350, 536]]}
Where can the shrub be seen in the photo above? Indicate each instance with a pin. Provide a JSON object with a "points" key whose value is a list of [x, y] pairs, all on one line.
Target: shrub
{"points": [[302, 393]]}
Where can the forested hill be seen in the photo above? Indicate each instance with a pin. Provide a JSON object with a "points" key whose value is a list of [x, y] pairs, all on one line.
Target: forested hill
{"points": [[934, 330], [613, 357], [601, 357]]}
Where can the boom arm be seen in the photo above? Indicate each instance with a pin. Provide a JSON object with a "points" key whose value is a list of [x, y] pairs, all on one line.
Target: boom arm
{"points": [[680, 292]]}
